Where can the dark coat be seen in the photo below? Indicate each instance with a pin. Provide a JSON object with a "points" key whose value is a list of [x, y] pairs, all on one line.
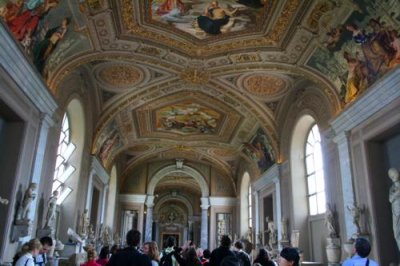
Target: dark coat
{"points": [[219, 254], [129, 257]]}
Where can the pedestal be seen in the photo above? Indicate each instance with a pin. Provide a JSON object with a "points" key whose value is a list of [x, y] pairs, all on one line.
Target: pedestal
{"points": [[19, 231], [333, 251]]}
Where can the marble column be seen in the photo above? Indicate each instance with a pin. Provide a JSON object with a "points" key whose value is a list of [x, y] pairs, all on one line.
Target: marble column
{"points": [[149, 217], [256, 217], [190, 226], [205, 204]]}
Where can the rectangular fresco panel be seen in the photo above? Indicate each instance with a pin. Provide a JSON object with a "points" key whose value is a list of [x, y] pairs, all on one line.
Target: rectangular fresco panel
{"points": [[108, 142], [361, 50], [260, 150], [187, 117], [204, 18]]}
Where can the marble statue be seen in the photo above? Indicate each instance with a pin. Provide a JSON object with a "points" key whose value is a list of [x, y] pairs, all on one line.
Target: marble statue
{"points": [[24, 208], [117, 238], [74, 236], [51, 211], [3, 201], [272, 234], [284, 225], [330, 222], [106, 236], [394, 198], [356, 214], [84, 224]]}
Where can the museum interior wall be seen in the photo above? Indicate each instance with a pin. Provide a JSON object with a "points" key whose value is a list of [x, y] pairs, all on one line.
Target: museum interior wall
{"points": [[114, 115]]}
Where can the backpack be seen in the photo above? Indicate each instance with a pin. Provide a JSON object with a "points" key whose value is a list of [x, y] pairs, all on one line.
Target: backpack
{"points": [[166, 259]]}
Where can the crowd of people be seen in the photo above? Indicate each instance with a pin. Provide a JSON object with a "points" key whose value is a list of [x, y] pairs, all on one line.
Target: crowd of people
{"points": [[34, 253]]}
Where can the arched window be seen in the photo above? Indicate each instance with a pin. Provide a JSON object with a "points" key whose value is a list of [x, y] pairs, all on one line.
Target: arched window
{"points": [[63, 169], [250, 205], [315, 173]]}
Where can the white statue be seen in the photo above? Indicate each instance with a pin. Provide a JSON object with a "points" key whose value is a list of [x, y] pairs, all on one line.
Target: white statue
{"points": [[330, 222], [74, 236], [117, 238], [84, 224], [284, 224], [356, 214], [106, 236], [394, 198], [3, 201], [272, 234], [23, 210], [51, 211]]}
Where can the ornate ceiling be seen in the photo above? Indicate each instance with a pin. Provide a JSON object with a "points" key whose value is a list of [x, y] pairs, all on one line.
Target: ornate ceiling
{"points": [[171, 83]]}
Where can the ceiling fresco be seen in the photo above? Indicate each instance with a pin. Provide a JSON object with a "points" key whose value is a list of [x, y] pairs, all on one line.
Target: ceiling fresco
{"points": [[204, 81]]}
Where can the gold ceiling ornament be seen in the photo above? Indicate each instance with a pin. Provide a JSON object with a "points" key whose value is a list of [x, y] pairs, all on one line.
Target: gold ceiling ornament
{"points": [[120, 75], [139, 148], [264, 85], [271, 39], [195, 76]]}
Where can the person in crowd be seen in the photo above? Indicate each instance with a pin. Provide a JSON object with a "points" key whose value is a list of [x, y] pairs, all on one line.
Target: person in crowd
{"points": [[91, 258], [206, 257], [167, 255], [130, 256], [289, 257], [263, 258], [151, 250], [242, 256], [114, 250], [361, 251], [190, 258], [221, 252], [28, 252], [47, 244], [103, 256]]}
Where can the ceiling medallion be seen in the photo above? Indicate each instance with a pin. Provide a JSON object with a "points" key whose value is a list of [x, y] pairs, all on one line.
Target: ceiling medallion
{"points": [[120, 76], [264, 85]]}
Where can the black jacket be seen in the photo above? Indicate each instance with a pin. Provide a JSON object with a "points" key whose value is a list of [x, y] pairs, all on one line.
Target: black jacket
{"points": [[129, 257], [218, 254]]}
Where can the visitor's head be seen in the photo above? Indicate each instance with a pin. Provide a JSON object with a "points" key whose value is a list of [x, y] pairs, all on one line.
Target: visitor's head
{"points": [[47, 243], [104, 252], [263, 254], [114, 249], [33, 246], [170, 241], [133, 238], [238, 245], [91, 254], [226, 241], [151, 250], [362, 247], [289, 257], [206, 254]]}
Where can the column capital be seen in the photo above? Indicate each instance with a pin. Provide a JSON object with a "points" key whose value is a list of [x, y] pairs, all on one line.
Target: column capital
{"points": [[205, 203], [150, 201]]}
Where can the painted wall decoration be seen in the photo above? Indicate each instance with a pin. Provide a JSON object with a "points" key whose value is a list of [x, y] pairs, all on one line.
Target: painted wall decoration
{"points": [[187, 117], [361, 50], [205, 18], [108, 142], [260, 150], [42, 27]]}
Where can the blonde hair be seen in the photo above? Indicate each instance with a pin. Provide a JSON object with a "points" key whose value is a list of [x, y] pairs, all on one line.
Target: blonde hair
{"points": [[153, 254], [91, 254], [31, 245]]}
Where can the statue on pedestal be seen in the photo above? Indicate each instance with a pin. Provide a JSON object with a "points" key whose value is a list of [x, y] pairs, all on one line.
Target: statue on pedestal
{"points": [[51, 211], [356, 214], [394, 198], [330, 222], [24, 207], [84, 224], [3, 201], [271, 234]]}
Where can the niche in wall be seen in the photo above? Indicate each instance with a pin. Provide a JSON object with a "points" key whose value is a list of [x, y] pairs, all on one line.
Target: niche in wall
{"points": [[94, 210]]}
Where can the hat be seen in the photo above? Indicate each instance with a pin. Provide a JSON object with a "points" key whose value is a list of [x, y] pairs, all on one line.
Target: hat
{"points": [[290, 254]]}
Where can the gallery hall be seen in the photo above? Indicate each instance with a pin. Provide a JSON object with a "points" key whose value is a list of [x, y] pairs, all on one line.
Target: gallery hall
{"points": [[133, 123]]}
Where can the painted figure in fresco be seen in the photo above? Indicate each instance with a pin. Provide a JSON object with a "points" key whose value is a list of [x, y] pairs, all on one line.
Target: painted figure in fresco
{"points": [[170, 5], [43, 49], [214, 18], [24, 23], [260, 150], [357, 79], [395, 43], [394, 199], [251, 3], [107, 146]]}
